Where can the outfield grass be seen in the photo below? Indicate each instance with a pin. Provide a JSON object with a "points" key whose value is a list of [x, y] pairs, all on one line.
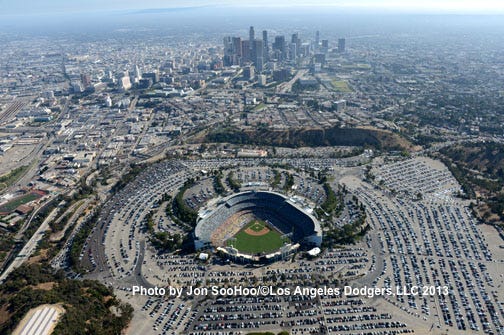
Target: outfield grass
{"points": [[257, 244], [341, 86], [16, 202]]}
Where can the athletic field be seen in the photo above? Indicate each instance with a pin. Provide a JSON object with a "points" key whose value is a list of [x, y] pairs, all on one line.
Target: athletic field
{"points": [[257, 237], [10, 206]]}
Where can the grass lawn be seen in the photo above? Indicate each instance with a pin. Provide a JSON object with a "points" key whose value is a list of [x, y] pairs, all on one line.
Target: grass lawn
{"points": [[259, 106], [357, 66], [341, 86], [14, 203], [257, 244]]}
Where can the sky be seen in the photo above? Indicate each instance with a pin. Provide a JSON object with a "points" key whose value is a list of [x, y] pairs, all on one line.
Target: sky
{"points": [[23, 7]]}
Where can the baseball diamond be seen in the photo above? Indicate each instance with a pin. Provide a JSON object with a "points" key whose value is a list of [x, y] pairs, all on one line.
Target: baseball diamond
{"points": [[256, 223]]}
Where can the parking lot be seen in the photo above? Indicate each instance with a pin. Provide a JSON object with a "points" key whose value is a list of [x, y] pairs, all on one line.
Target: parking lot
{"points": [[435, 241], [414, 242]]}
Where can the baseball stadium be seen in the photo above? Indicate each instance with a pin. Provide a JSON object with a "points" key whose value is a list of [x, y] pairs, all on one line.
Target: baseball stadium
{"points": [[256, 226]]}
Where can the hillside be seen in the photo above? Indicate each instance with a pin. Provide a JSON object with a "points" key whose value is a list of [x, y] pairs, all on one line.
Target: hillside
{"points": [[313, 137], [486, 159], [479, 168], [88, 304]]}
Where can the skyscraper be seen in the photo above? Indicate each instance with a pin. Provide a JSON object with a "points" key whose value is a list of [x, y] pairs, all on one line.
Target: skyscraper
{"points": [[265, 45], [341, 45], [247, 54], [237, 50], [325, 45], [258, 55], [228, 51], [297, 41], [293, 51], [279, 47], [138, 73], [317, 39], [251, 35], [251, 44]]}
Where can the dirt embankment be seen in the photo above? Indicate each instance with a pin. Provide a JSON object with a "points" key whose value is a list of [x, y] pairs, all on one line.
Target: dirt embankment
{"points": [[311, 137]]}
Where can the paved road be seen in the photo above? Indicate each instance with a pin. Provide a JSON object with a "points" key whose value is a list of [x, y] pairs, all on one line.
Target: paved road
{"points": [[27, 223], [137, 278], [286, 87], [30, 246], [368, 279]]}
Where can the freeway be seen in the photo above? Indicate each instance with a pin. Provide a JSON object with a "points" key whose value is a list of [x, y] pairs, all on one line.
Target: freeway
{"points": [[286, 87], [27, 223], [30, 246]]}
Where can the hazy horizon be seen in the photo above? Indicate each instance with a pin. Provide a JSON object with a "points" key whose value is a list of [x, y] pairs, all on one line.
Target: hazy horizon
{"points": [[224, 18], [51, 7]]}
